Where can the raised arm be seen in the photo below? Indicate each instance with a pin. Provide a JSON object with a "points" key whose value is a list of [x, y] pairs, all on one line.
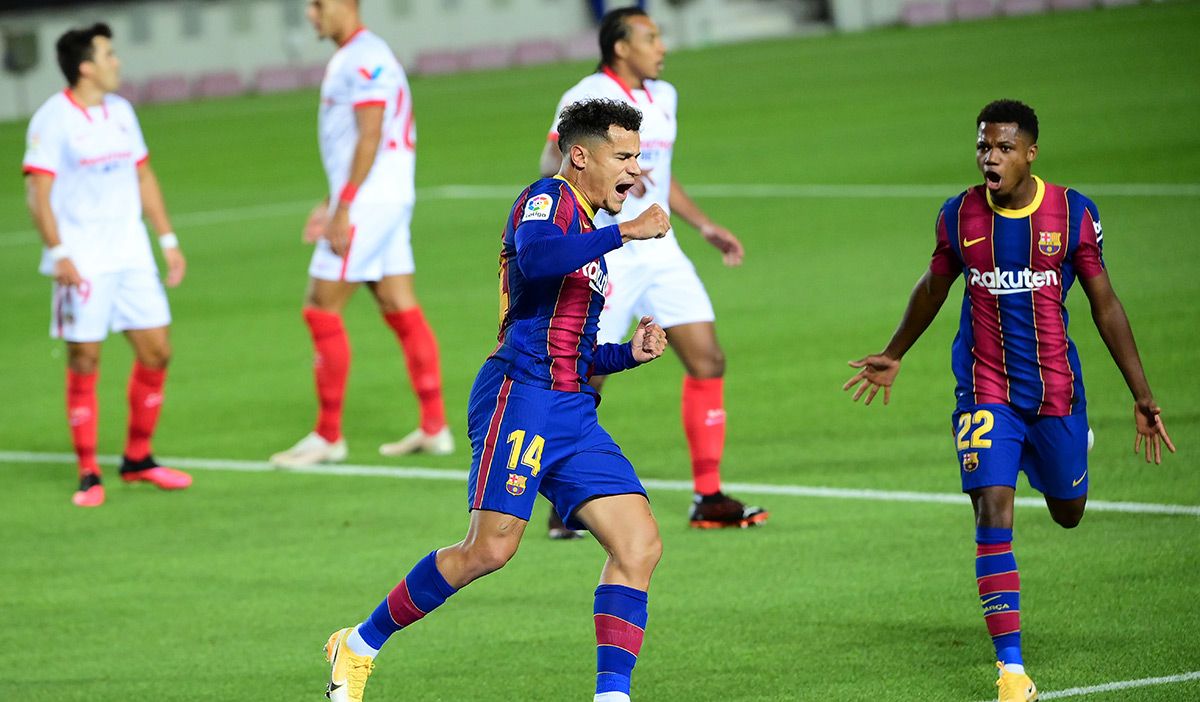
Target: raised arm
{"points": [[1109, 315], [155, 209], [880, 370]]}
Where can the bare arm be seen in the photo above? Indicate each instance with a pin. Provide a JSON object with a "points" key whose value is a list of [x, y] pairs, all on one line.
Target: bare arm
{"points": [[880, 370], [551, 159], [153, 205], [1109, 315], [732, 251], [369, 119], [155, 209], [37, 197]]}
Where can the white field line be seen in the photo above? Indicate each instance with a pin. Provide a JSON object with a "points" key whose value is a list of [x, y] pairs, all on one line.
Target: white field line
{"points": [[1114, 686], [758, 191], [449, 474]]}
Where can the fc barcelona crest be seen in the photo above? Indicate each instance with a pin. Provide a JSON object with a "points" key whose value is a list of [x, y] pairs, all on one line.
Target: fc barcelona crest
{"points": [[970, 461], [515, 485], [1049, 243]]}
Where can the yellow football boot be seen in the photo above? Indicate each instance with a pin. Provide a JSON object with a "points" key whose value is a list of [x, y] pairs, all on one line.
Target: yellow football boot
{"points": [[1015, 687], [348, 671]]}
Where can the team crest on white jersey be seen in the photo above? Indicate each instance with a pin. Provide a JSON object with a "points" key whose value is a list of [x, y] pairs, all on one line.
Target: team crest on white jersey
{"points": [[596, 275], [538, 207]]}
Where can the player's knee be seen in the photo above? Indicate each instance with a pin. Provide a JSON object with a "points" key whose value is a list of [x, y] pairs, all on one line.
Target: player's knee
{"points": [[710, 364], [640, 556], [83, 364], [1068, 519], [488, 556]]}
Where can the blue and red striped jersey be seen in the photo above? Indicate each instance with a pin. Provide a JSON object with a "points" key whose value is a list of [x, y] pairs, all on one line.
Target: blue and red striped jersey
{"points": [[1012, 345], [552, 282]]}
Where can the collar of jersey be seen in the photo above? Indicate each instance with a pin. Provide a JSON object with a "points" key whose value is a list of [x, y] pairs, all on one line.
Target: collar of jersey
{"points": [[1024, 211], [587, 207], [629, 93]]}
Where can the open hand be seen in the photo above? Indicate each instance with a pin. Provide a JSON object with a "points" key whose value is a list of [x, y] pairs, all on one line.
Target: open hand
{"points": [[318, 220], [176, 266], [877, 371], [732, 251], [1148, 420], [649, 340], [339, 231], [65, 273]]}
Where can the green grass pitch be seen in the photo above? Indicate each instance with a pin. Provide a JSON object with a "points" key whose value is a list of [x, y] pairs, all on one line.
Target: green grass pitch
{"points": [[228, 590]]}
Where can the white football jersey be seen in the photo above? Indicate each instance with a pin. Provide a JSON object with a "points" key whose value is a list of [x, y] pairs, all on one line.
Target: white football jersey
{"points": [[657, 101], [364, 71], [93, 154]]}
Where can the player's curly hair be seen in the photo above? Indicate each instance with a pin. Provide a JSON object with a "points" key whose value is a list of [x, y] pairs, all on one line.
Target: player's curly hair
{"points": [[75, 46], [614, 28], [1011, 111], [590, 119]]}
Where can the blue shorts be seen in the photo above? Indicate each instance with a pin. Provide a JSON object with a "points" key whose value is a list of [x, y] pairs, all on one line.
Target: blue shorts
{"points": [[526, 440], [994, 442]]}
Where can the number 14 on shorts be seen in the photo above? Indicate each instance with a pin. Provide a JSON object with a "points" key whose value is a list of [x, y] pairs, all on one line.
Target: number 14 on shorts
{"points": [[533, 454]]}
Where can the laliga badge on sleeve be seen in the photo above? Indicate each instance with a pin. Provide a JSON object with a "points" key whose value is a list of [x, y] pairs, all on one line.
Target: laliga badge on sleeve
{"points": [[538, 207]]}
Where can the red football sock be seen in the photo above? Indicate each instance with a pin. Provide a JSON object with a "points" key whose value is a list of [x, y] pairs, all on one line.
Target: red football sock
{"points": [[421, 356], [704, 424], [331, 367], [81, 416], [145, 401]]}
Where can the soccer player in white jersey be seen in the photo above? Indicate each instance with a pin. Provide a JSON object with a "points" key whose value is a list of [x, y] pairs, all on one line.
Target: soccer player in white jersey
{"points": [[367, 141], [88, 182], [655, 277]]}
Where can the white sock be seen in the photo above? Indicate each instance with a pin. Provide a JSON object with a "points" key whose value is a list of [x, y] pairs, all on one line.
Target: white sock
{"points": [[360, 647], [611, 697], [1014, 668]]}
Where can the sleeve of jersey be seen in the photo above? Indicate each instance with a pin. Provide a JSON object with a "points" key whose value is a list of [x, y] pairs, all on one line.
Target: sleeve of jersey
{"points": [[550, 244], [613, 358], [372, 83], [1089, 255], [43, 148], [945, 261]]}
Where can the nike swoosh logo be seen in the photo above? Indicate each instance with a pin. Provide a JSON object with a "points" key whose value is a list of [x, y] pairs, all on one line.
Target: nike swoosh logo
{"points": [[1079, 479], [971, 242], [991, 599]]}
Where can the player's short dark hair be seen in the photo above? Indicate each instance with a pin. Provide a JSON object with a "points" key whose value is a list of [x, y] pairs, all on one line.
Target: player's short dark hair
{"points": [[1011, 111], [591, 119], [75, 46], [613, 28]]}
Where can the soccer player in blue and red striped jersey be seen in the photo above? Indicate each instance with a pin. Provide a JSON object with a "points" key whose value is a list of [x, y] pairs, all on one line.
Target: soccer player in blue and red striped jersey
{"points": [[532, 414], [1019, 244]]}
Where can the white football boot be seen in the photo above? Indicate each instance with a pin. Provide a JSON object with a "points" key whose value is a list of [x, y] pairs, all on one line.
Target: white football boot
{"points": [[311, 450], [439, 444]]}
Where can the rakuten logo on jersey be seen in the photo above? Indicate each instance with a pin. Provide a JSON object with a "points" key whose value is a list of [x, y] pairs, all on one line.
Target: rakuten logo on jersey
{"points": [[597, 278], [999, 282]]}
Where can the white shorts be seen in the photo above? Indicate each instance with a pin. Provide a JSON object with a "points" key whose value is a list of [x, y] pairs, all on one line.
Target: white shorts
{"points": [[117, 302], [668, 289], [380, 245]]}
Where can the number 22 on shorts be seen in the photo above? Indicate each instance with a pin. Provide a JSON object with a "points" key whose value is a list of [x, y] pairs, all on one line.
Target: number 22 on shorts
{"points": [[533, 454], [982, 420]]}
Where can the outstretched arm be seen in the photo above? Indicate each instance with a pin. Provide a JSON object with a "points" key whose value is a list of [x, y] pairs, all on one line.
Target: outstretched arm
{"points": [[880, 370], [732, 251], [1109, 315]]}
